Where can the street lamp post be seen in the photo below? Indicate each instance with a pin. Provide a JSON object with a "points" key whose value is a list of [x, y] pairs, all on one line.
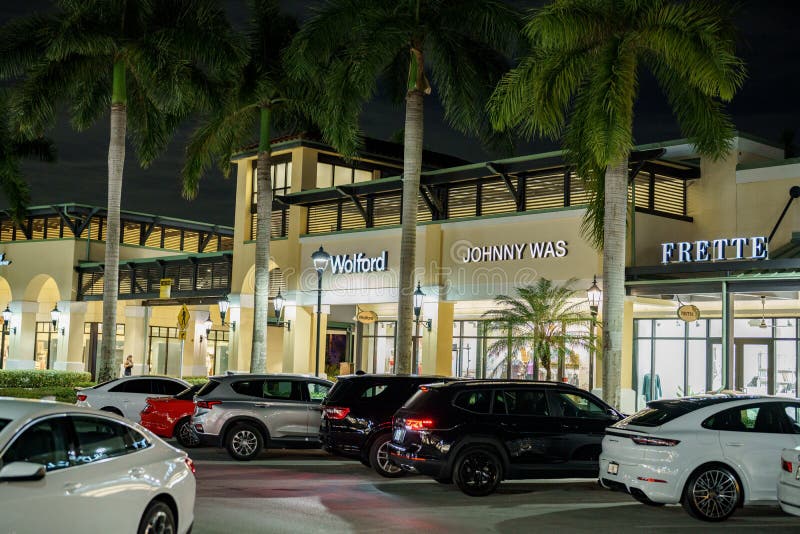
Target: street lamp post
{"points": [[419, 298], [320, 259], [595, 295], [7, 316]]}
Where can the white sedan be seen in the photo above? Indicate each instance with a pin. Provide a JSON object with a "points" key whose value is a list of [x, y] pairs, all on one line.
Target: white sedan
{"points": [[712, 454], [789, 483], [70, 469], [127, 396]]}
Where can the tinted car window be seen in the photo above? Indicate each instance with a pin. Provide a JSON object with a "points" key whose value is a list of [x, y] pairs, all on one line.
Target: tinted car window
{"points": [[102, 438], [574, 405], [251, 388], [317, 392], [792, 412], [282, 389], [3, 423], [171, 388], [188, 393], [374, 391], [761, 418], [44, 443], [654, 416], [477, 401], [208, 387], [523, 402], [141, 385]]}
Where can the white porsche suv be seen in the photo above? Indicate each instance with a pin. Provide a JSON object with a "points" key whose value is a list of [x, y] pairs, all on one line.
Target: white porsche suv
{"points": [[712, 454]]}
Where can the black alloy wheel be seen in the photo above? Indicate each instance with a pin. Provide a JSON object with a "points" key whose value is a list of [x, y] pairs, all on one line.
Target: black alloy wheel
{"points": [[185, 434], [478, 471], [379, 458], [157, 519], [712, 493], [244, 442]]}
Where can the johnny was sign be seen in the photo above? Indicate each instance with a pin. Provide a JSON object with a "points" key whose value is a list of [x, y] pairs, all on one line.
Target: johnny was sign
{"points": [[736, 248], [516, 251], [359, 263]]}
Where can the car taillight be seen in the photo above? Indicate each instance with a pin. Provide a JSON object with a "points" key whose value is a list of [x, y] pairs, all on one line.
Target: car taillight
{"points": [[81, 398], [787, 466], [335, 412], [189, 463], [418, 424], [654, 442], [207, 404]]}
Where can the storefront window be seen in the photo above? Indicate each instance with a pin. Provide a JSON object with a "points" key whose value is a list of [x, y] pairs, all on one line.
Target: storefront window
{"points": [[92, 335], [165, 351], [45, 345], [377, 347], [217, 352]]}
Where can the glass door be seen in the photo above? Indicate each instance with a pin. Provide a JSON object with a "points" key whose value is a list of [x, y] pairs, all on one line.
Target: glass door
{"points": [[753, 362]]}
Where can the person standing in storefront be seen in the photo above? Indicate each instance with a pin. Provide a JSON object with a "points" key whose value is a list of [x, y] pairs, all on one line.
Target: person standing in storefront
{"points": [[128, 365]]}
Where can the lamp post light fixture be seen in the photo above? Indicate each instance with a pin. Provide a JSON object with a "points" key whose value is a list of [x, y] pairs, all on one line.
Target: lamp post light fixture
{"points": [[595, 296], [224, 305], [278, 305], [320, 259], [419, 299]]}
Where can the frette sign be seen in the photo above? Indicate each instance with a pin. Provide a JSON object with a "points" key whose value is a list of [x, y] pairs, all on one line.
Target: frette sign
{"points": [[359, 263], [741, 248], [516, 251]]}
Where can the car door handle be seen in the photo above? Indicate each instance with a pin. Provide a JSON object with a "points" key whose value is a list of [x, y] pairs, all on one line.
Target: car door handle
{"points": [[262, 405], [72, 487], [734, 444], [137, 472]]}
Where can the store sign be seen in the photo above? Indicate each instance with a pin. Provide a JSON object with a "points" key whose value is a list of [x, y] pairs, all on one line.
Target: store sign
{"points": [[688, 313], [751, 248], [367, 317], [359, 263], [516, 251], [165, 288]]}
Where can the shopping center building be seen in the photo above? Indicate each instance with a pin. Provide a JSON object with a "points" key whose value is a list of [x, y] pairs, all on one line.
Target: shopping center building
{"points": [[707, 237]]}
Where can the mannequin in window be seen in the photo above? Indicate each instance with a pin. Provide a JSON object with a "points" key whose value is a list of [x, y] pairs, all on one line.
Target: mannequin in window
{"points": [[647, 389]]}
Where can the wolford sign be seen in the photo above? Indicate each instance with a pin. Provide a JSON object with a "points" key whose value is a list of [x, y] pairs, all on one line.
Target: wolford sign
{"points": [[516, 251], [359, 263], [698, 251]]}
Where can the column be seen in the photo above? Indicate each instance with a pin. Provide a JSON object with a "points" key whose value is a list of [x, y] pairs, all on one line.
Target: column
{"points": [[21, 344], [135, 342], [627, 393], [70, 344], [240, 319], [436, 350], [195, 350], [298, 342]]}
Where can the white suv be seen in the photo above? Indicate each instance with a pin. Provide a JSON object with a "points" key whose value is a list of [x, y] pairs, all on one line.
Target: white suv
{"points": [[127, 396]]}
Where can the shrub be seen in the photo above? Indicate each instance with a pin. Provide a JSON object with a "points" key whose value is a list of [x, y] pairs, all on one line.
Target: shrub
{"points": [[24, 378], [62, 394], [196, 380]]}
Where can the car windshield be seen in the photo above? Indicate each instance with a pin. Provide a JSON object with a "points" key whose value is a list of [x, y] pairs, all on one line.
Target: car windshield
{"points": [[207, 388], [4, 423]]}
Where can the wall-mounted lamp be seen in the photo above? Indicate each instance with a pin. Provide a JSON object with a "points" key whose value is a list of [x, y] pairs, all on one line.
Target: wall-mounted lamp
{"points": [[55, 316], [8, 315], [224, 305], [419, 297], [278, 305], [208, 324]]}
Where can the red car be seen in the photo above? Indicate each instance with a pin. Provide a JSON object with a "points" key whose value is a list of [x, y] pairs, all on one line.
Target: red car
{"points": [[170, 416]]}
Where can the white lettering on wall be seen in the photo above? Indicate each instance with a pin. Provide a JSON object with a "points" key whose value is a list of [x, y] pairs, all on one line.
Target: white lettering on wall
{"points": [[516, 251], [716, 250], [359, 263]]}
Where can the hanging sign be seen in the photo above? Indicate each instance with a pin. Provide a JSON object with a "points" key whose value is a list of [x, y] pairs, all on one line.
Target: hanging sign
{"points": [[688, 313], [715, 250], [165, 290], [367, 317]]}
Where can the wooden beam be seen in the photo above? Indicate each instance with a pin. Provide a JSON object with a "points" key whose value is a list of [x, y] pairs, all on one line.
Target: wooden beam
{"points": [[360, 207]]}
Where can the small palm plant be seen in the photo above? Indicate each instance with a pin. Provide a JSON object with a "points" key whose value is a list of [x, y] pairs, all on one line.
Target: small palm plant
{"points": [[545, 319]]}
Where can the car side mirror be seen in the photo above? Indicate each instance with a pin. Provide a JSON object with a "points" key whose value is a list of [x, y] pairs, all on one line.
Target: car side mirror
{"points": [[19, 471]]}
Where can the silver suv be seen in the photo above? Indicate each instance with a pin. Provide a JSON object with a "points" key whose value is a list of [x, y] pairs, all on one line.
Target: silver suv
{"points": [[246, 413]]}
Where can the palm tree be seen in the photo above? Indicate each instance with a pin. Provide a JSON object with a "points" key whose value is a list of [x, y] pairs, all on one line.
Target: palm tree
{"points": [[145, 60], [350, 47], [260, 96], [12, 150], [543, 317], [580, 82]]}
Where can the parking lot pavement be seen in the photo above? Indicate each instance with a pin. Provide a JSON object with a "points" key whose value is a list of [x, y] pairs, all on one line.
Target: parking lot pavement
{"points": [[310, 491]]}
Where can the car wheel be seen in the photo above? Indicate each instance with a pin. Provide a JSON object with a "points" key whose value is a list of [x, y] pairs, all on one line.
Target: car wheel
{"points": [[642, 498], [444, 480], [379, 458], [712, 493], [365, 461], [185, 434], [478, 471], [244, 442], [157, 519], [111, 409]]}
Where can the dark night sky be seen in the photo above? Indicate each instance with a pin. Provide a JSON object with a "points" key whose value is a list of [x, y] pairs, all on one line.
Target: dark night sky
{"points": [[766, 106]]}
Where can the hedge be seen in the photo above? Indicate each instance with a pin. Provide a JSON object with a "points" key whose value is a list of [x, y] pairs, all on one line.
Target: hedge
{"points": [[196, 380], [63, 394], [24, 378]]}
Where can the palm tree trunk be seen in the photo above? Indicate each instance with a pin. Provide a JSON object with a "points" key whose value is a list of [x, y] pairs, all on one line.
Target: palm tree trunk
{"points": [[258, 358], [614, 218], [108, 365], [412, 166]]}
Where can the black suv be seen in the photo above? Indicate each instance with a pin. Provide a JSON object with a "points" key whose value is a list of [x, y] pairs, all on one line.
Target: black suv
{"points": [[357, 416], [478, 433]]}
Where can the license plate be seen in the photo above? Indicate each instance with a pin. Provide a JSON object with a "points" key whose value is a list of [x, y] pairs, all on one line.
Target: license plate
{"points": [[613, 468], [399, 434]]}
